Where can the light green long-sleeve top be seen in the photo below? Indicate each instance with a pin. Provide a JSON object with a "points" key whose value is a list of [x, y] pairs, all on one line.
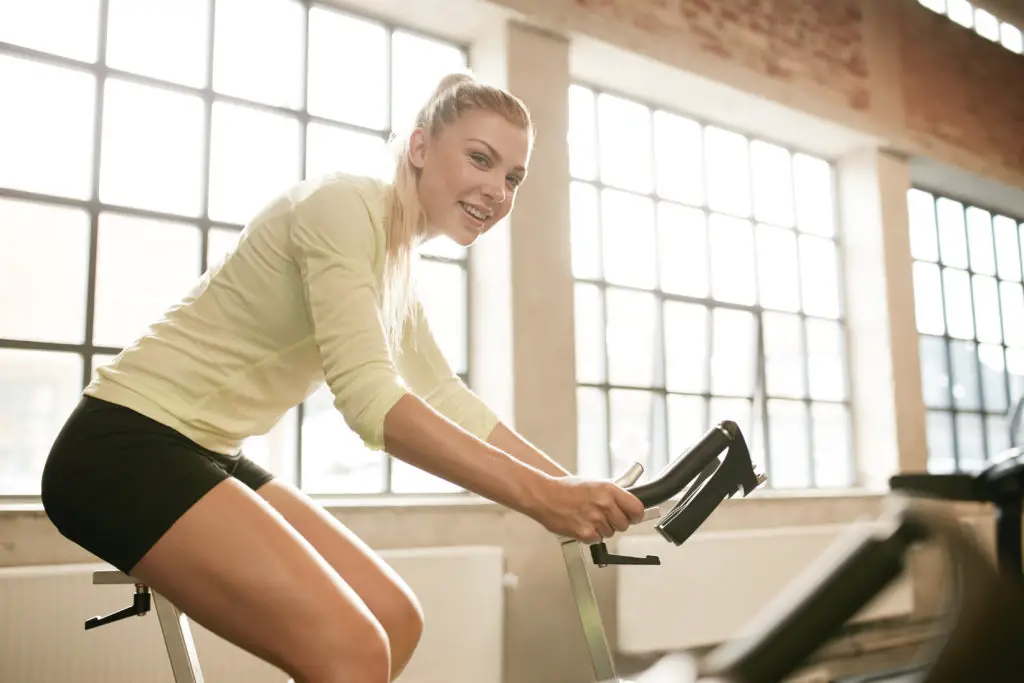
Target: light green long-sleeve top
{"points": [[297, 303]]}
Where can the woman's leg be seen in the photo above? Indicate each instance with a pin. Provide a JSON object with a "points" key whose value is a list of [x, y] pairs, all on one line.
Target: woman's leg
{"points": [[234, 565], [380, 587]]}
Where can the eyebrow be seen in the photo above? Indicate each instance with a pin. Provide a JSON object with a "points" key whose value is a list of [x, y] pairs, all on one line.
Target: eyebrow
{"points": [[496, 155]]}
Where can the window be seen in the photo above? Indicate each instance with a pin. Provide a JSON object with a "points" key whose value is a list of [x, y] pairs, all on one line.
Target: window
{"points": [[969, 303], [138, 136], [984, 23], [707, 289]]}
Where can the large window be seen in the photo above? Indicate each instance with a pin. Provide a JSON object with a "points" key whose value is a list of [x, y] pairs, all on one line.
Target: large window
{"points": [[983, 22], [970, 314], [136, 137], [707, 289]]}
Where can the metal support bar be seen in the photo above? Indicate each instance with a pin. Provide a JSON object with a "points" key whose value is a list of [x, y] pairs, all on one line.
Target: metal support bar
{"points": [[181, 648]]}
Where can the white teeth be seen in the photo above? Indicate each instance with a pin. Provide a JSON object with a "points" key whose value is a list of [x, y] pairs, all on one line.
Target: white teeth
{"points": [[473, 211]]}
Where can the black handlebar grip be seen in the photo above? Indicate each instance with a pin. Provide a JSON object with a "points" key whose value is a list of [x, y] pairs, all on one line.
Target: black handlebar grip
{"points": [[687, 466]]}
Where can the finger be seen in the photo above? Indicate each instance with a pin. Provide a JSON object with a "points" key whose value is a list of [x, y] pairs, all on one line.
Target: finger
{"points": [[617, 518], [589, 536], [603, 528], [632, 506]]}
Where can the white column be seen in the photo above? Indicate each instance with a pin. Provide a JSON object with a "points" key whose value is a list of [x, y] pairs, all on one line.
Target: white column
{"points": [[889, 431], [522, 299]]}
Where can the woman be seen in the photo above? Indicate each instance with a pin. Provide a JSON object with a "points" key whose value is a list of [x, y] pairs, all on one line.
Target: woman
{"points": [[147, 474]]}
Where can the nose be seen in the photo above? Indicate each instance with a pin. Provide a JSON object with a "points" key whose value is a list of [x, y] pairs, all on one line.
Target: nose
{"points": [[495, 193]]}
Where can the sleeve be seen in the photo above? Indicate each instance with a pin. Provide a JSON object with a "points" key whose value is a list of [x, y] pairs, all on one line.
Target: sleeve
{"points": [[335, 248], [428, 375]]}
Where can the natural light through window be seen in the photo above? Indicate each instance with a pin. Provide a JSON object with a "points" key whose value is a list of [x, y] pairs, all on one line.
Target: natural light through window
{"points": [[707, 289], [970, 314], [983, 22], [193, 137]]}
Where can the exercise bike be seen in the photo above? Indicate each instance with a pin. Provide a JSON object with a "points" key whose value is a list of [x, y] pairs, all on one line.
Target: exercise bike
{"points": [[985, 615], [703, 479]]}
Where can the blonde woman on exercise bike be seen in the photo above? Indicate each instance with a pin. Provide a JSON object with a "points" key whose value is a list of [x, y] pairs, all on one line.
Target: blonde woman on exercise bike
{"points": [[147, 473]]}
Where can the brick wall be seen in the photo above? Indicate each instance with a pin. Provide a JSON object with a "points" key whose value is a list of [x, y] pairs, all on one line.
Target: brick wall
{"points": [[889, 68], [961, 90]]}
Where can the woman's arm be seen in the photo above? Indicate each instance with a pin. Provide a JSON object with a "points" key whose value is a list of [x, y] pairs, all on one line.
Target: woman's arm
{"points": [[518, 447]]}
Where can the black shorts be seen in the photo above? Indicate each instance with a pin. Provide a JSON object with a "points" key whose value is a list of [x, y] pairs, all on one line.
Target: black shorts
{"points": [[115, 480]]}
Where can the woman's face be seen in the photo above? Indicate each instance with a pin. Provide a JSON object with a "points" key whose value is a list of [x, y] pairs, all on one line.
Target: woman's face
{"points": [[469, 173]]}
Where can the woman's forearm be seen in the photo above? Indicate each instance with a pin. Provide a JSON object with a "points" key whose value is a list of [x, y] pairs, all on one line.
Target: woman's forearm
{"points": [[416, 433], [506, 439]]}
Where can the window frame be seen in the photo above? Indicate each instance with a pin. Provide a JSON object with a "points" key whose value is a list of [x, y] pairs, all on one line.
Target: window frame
{"points": [[759, 399], [95, 208], [948, 340]]}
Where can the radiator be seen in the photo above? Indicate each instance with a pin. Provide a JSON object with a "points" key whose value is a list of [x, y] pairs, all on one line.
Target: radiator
{"points": [[710, 588], [43, 610]]}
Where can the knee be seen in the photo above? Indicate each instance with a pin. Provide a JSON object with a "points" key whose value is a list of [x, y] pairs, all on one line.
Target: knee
{"points": [[402, 619], [358, 652]]}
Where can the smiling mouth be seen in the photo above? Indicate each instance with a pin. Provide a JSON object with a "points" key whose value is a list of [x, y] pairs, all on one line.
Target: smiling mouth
{"points": [[475, 213]]}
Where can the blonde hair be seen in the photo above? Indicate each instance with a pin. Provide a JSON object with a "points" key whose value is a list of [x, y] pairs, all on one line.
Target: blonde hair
{"points": [[455, 94]]}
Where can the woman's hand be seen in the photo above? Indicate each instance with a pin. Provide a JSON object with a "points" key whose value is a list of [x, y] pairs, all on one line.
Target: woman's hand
{"points": [[587, 510]]}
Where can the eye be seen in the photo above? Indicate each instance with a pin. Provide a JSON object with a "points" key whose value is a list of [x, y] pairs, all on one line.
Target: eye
{"points": [[480, 158], [514, 181]]}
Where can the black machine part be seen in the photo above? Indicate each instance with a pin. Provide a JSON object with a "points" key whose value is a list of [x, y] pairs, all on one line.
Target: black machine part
{"points": [[705, 482]]}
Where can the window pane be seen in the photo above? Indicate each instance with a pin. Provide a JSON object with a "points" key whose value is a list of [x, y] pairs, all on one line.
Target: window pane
{"points": [[952, 232], [728, 171], [406, 478], [1012, 39], [590, 330], [732, 260], [686, 423], [934, 372], [1012, 297], [998, 435], [924, 242], [1007, 256], [683, 249], [826, 360], [152, 148], [941, 458], [961, 12], [161, 39], [993, 377], [258, 50], [46, 127], [928, 306], [833, 461], [784, 355], [634, 354], [358, 96], [773, 183], [979, 235], [964, 361], [678, 159], [957, 292], [935, 5], [815, 208], [986, 25], [442, 289], [44, 267], [585, 227], [628, 236], [986, 309], [686, 347], [740, 411], [330, 149], [638, 431], [787, 438], [778, 271], [582, 132], [819, 270], [277, 450], [254, 157], [334, 458], [1015, 369], [591, 433], [418, 64], [970, 435], [219, 244], [38, 390], [60, 27], [624, 130], [163, 255], [733, 352]]}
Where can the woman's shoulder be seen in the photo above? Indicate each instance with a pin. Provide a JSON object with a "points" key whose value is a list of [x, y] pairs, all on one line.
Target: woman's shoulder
{"points": [[339, 190]]}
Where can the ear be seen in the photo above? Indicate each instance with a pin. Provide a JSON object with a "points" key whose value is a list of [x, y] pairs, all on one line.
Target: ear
{"points": [[418, 148]]}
